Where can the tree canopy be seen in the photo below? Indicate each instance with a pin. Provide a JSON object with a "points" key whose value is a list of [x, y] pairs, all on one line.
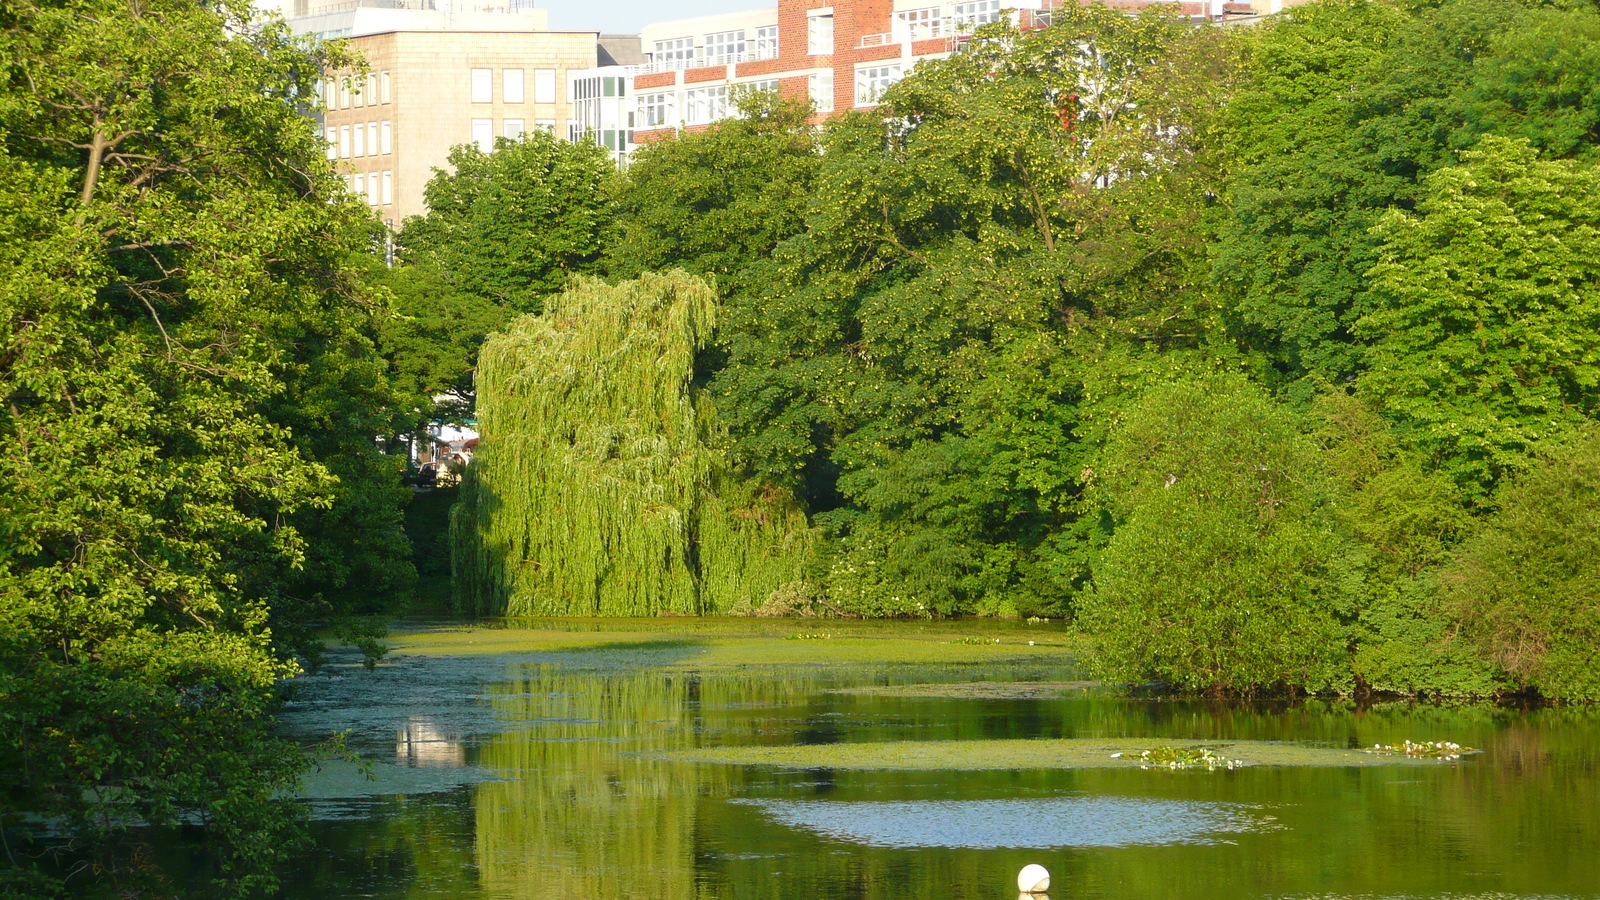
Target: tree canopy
{"points": [[192, 396]]}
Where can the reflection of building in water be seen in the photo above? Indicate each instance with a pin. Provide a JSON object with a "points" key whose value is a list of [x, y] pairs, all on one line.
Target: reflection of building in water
{"points": [[420, 743]]}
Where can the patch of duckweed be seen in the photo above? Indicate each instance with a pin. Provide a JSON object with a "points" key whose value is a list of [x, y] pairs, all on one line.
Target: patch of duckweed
{"points": [[976, 690], [1444, 750], [1060, 753], [972, 639], [1183, 758], [711, 643]]}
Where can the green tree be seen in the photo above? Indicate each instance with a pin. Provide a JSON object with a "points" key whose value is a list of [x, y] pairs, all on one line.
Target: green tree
{"points": [[715, 201], [1488, 338], [513, 225], [1227, 571], [177, 317], [1524, 588], [600, 486], [903, 364], [1345, 104], [1410, 521]]}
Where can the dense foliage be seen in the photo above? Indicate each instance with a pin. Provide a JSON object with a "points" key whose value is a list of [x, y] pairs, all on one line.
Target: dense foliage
{"points": [[601, 488], [1225, 341], [192, 395], [1268, 354]]}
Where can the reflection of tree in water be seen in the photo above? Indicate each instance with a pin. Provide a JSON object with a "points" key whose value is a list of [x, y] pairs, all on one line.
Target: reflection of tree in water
{"points": [[588, 812]]}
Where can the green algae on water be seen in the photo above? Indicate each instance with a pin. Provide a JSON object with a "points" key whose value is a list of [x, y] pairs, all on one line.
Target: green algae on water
{"points": [[1059, 753], [976, 690]]}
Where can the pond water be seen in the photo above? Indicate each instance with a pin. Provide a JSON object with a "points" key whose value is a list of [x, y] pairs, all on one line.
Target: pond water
{"points": [[532, 769]]}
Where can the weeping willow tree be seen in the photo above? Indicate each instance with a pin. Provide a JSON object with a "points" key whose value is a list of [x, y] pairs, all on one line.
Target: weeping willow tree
{"points": [[600, 488]]}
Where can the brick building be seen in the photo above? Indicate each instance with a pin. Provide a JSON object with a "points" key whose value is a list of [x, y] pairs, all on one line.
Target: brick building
{"points": [[839, 54]]}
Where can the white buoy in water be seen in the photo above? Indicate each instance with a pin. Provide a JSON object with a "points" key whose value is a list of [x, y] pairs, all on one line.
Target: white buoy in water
{"points": [[1033, 879]]}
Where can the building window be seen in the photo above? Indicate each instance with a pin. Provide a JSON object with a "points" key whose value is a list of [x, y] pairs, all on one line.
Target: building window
{"points": [[545, 125], [385, 94], [819, 34], [388, 187], [482, 85], [483, 134], [372, 138], [972, 13], [820, 87], [511, 85], [918, 24], [333, 143], [766, 43], [513, 128], [344, 141], [386, 138], [677, 53], [344, 92], [872, 81], [656, 110], [372, 188], [723, 48], [544, 85], [358, 146], [372, 88], [705, 105]]}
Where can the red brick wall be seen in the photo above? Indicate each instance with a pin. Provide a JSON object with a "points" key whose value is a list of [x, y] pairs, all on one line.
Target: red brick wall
{"points": [[654, 80]]}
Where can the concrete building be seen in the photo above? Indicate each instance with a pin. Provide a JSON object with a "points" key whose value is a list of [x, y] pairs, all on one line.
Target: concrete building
{"points": [[440, 74]]}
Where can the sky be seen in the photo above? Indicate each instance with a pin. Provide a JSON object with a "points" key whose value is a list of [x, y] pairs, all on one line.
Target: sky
{"points": [[628, 16]]}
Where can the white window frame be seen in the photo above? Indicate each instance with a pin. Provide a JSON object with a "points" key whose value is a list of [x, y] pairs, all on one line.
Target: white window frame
{"points": [[675, 53], [483, 134], [385, 92], [544, 85], [512, 86], [545, 125], [482, 85], [344, 92], [358, 141], [386, 137], [723, 48], [819, 34], [372, 189], [820, 86], [704, 105], [766, 43], [969, 14], [514, 129], [372, 89], [344, 141], [657, 110], [388, 187], [333, 142], [918, 24], [372, 138], [873, 80]]}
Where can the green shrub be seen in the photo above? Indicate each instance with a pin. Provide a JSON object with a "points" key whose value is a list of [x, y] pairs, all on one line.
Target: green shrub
{"points": [[1226, 571], [1526, 587], [1409, 521]]}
